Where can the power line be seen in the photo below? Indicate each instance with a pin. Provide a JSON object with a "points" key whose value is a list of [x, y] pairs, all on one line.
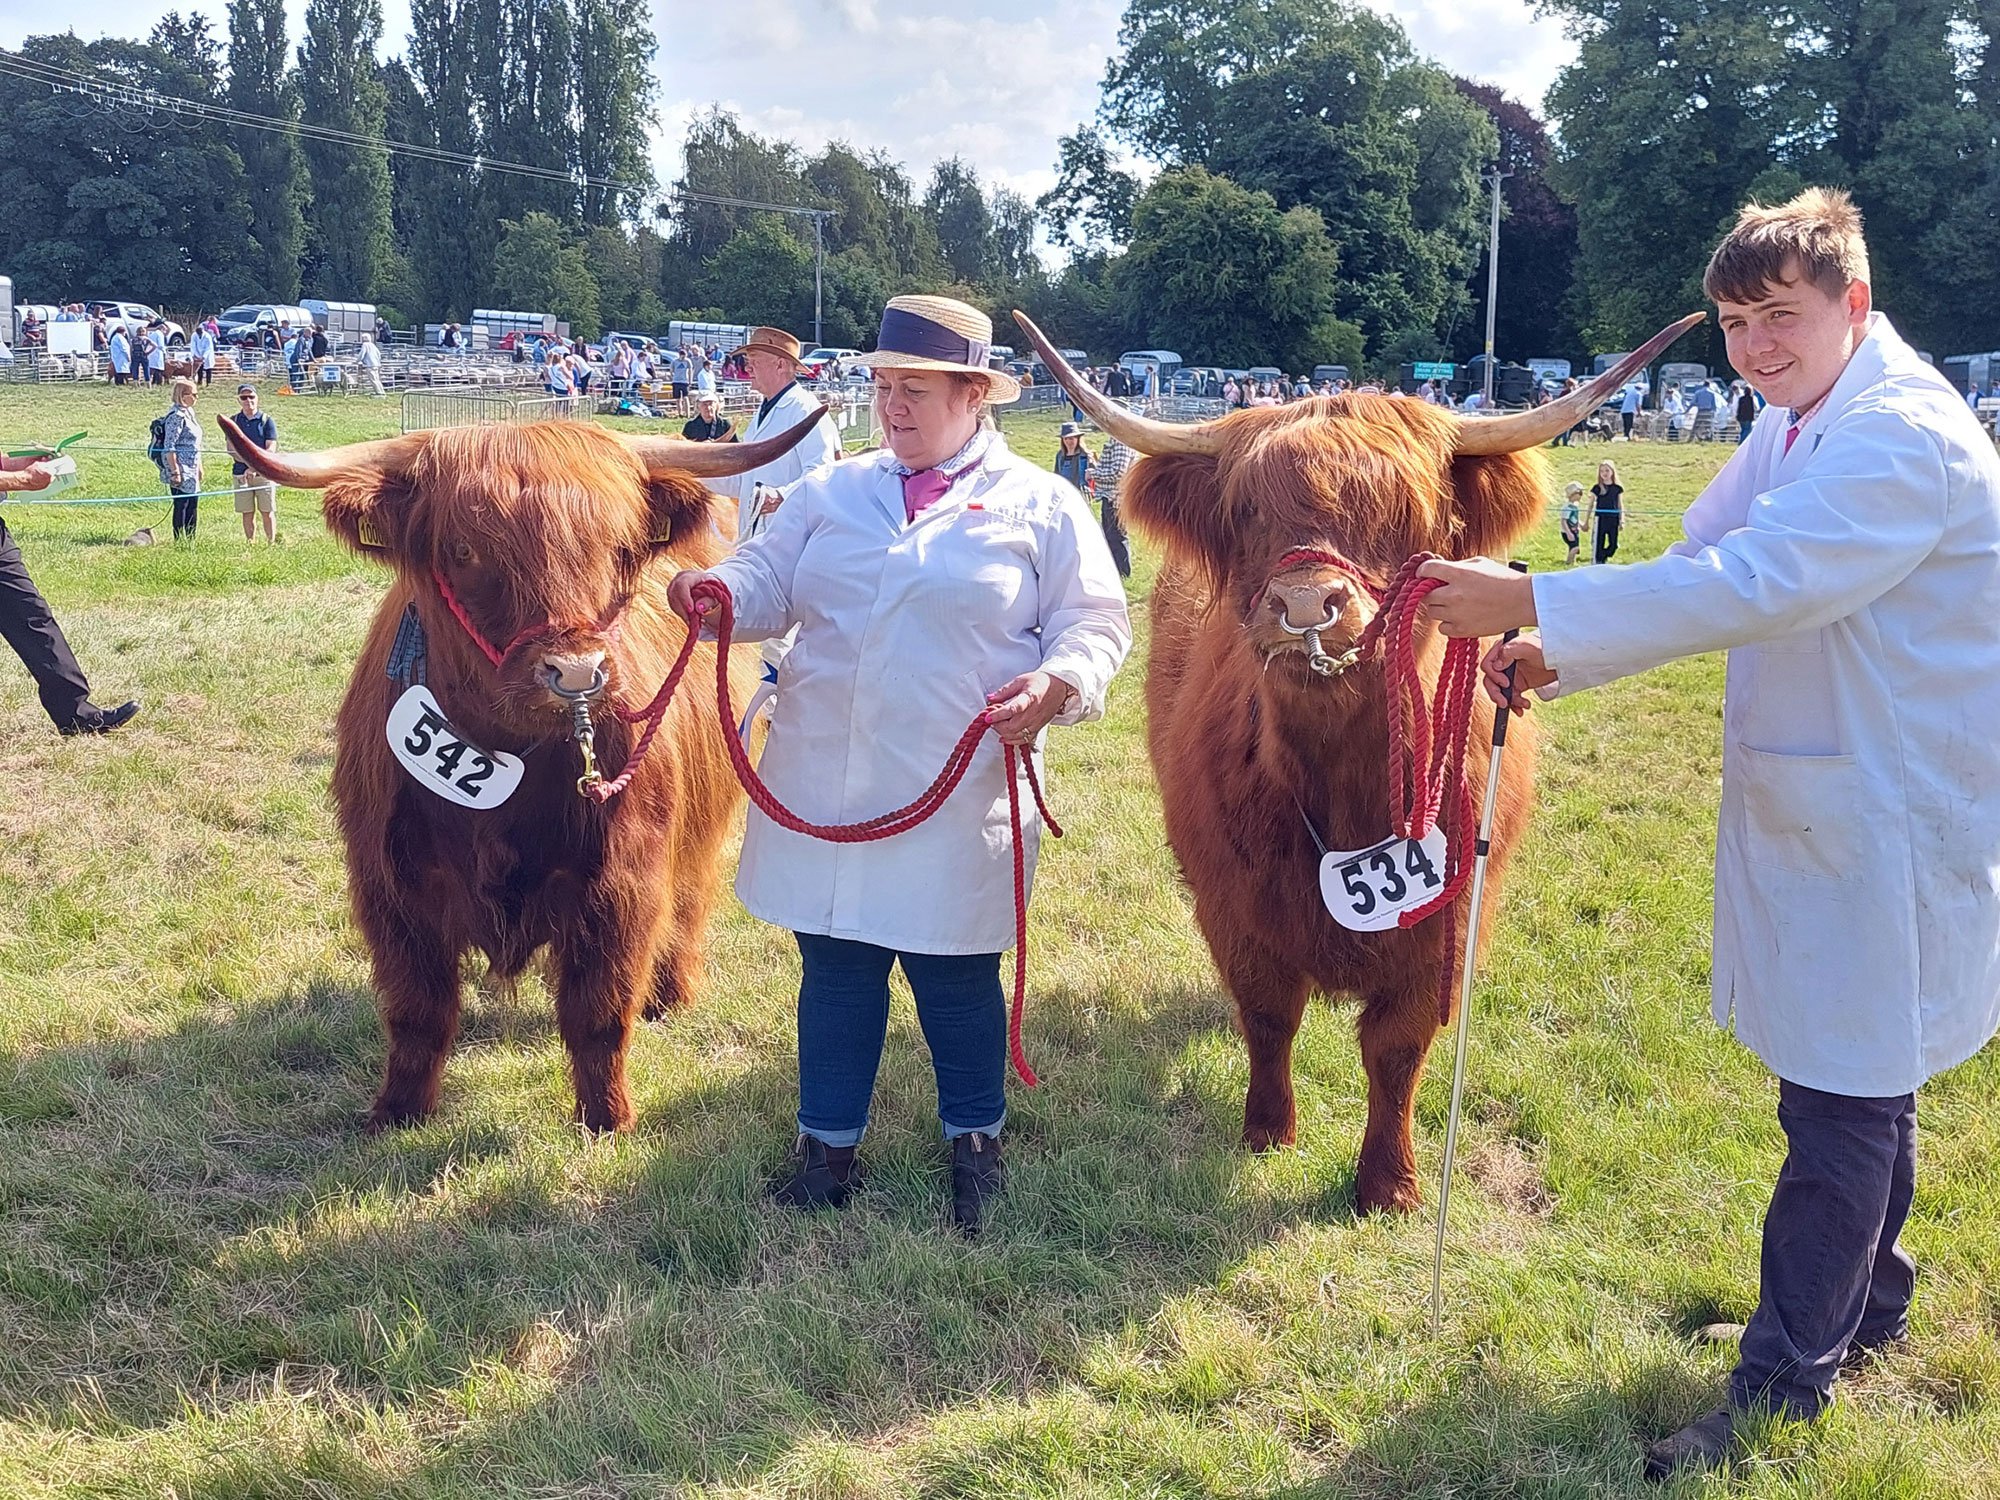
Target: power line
{"points": [[115, 93]]}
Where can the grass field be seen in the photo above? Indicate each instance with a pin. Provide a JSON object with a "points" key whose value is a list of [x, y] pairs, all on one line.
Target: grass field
{"points": [[212, 1284]]}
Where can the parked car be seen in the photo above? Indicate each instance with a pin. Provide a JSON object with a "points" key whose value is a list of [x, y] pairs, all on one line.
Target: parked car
{"points": [[640, 343], [135, 316], [246, 322], [815, 360]]}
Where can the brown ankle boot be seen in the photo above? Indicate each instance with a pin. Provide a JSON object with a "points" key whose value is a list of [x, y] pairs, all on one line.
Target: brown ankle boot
{"points": [[822, 1176]]}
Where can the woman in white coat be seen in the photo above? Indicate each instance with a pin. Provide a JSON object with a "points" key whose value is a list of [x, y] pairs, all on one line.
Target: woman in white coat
{"points": [[1848, 555], [934, 579]]}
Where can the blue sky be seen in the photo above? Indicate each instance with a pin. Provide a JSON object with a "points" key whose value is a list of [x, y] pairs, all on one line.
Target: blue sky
{"points": [[994, 83]]}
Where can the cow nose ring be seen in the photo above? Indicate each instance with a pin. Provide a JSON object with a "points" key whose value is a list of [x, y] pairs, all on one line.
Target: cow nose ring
{"points": [[1316, 655], [581, 729]]}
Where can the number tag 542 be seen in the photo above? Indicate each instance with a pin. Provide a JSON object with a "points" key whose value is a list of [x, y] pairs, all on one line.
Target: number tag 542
{"points": [[443, 760], [1366, 890]]}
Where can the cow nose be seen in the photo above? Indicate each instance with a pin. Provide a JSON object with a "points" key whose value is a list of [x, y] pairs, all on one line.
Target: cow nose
{"points": [[1304, 605], [575, 672]]}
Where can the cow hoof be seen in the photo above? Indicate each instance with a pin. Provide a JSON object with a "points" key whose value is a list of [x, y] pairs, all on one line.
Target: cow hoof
{"points": [[605, 1122], [1393, 1197], [385, 1117], [1262, 1138]]}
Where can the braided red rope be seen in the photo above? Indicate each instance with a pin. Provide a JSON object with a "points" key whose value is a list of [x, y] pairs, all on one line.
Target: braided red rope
{"points": [[902, 819], [1428, 740]]}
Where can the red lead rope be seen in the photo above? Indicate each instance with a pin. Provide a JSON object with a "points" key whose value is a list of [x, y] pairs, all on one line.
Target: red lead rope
{"points": [[888, 824], [1427, 739]]}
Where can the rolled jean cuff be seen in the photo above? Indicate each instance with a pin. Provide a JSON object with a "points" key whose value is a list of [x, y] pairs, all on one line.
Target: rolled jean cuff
{"points": [[953, 1132], [836, 1138]]}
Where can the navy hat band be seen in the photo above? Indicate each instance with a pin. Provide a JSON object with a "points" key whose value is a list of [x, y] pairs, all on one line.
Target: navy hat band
{"points": [[905, 332]]}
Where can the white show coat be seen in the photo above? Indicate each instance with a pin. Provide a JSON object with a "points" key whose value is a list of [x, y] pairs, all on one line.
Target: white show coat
{"points": [[822, 445], [1857, 582], [903, 629]]}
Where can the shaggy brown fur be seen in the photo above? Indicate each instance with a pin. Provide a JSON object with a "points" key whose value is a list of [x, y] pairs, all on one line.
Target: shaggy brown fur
{"points": [[1244, 736], [554, 522]]}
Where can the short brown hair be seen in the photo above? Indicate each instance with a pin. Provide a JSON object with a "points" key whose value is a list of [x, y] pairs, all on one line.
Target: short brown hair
{"points": [[1819, 232]]}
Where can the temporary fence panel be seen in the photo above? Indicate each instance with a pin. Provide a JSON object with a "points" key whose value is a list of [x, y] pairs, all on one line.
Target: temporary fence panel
{"points": [[439, 407]]}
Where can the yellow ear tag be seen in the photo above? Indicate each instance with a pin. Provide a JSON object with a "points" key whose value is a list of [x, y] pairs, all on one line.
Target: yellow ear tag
{"points": [[366, 534]]}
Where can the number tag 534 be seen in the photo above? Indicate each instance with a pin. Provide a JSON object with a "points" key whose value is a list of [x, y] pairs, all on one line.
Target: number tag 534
{"points": [[443, 760], [1368, 889]]}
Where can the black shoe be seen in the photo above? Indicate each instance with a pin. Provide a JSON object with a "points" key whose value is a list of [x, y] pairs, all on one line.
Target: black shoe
{"points": [[977, 1177], [90, 719], [1705, 1443], [822, 1176]]}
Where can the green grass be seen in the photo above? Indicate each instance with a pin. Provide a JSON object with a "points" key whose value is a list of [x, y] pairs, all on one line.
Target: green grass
{"points": [[212, 1285]]}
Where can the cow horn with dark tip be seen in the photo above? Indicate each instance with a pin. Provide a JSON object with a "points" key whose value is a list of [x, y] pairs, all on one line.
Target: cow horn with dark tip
{"points": [[315, 471], [1141, 434], [717, 460], [1480, 435]]}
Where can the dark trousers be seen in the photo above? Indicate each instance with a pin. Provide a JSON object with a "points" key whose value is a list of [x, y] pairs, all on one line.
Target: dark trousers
{"points": [[32, 631], [844, 1019], [1833, 1274], [1607, 538], [187, 506], [1626, 418], [1114, 536]]}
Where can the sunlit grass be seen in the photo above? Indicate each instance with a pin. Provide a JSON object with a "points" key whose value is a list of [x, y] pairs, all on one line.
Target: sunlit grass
{"points": [[212, 1284]]}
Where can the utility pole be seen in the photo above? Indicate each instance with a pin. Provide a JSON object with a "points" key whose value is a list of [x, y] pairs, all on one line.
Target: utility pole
{"points": [[1494, 178], [819, 216]]}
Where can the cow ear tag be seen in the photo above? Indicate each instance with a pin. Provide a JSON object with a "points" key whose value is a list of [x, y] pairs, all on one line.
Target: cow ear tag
{"points": [[1368, 890], [366, 534], [442, 760]]}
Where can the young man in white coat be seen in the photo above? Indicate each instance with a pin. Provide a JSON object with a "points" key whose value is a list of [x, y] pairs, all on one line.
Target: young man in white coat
{"points": [[1848, 556]]}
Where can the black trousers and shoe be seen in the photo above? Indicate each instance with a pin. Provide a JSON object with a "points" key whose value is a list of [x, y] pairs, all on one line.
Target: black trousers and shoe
{"points": [[1114, 537], [187, 509], [30, 628], [1607, 536], [1835, 1281]]}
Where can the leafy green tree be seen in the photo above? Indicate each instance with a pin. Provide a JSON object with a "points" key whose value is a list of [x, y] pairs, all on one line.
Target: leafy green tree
{"points": [[260, 83], [1668, 116], [957, 208], [340, 89], [613, 92], [440, 205], [116, 197], [876, 215], [627, 267], [521, 62], [764, 274], [1219, 273], [1091, 204], [1538, 244], [1318, 103], [538, 267]]}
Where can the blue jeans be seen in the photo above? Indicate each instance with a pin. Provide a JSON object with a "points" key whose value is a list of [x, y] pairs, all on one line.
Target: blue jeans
{"points": [[844, 1019], [1834, 1274]]}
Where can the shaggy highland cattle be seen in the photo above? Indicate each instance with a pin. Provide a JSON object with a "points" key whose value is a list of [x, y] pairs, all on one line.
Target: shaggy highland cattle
{"points": [[1266, 756], [456, 774]]}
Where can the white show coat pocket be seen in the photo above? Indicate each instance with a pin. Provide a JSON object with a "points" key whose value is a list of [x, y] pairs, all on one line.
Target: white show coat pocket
{"points": [[1799, 812]]}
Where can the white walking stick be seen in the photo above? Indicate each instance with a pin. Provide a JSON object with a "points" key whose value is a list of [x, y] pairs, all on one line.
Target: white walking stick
{"points": [[1470, 963]]}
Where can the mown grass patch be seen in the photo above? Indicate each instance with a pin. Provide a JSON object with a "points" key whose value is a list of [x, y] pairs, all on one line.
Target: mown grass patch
{"points": [[212, 1284]]}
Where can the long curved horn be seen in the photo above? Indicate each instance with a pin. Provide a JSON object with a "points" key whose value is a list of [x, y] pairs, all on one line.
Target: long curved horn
{"points": [[315, 471], [1141, 434], [1530, 429], [717, 460]]}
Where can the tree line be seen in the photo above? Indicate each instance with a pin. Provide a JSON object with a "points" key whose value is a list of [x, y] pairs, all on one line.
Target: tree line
{"points": [[1264, 181]]}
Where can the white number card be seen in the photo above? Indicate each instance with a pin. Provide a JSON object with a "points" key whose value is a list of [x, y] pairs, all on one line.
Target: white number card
{"points": [[1366, 890], [442, 759]]}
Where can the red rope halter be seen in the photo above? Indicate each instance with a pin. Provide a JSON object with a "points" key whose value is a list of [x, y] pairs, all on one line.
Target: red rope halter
{"points": [[1428, 740]]}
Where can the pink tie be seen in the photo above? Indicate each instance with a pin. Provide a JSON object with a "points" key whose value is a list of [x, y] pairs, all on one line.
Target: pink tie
{"points": [[924, 489], [1791, 436]]}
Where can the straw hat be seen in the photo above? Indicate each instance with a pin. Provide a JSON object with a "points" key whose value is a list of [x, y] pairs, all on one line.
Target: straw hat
{"points": [[771, 341], [940, 333]]}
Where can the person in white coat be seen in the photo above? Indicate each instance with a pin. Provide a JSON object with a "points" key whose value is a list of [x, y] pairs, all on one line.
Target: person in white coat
{"points": [[1848, 557], [772, 358], [937, 578]]}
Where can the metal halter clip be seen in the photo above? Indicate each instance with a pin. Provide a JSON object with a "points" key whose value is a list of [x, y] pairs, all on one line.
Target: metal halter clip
{"points": [[581, 729], [1316, 657]]}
